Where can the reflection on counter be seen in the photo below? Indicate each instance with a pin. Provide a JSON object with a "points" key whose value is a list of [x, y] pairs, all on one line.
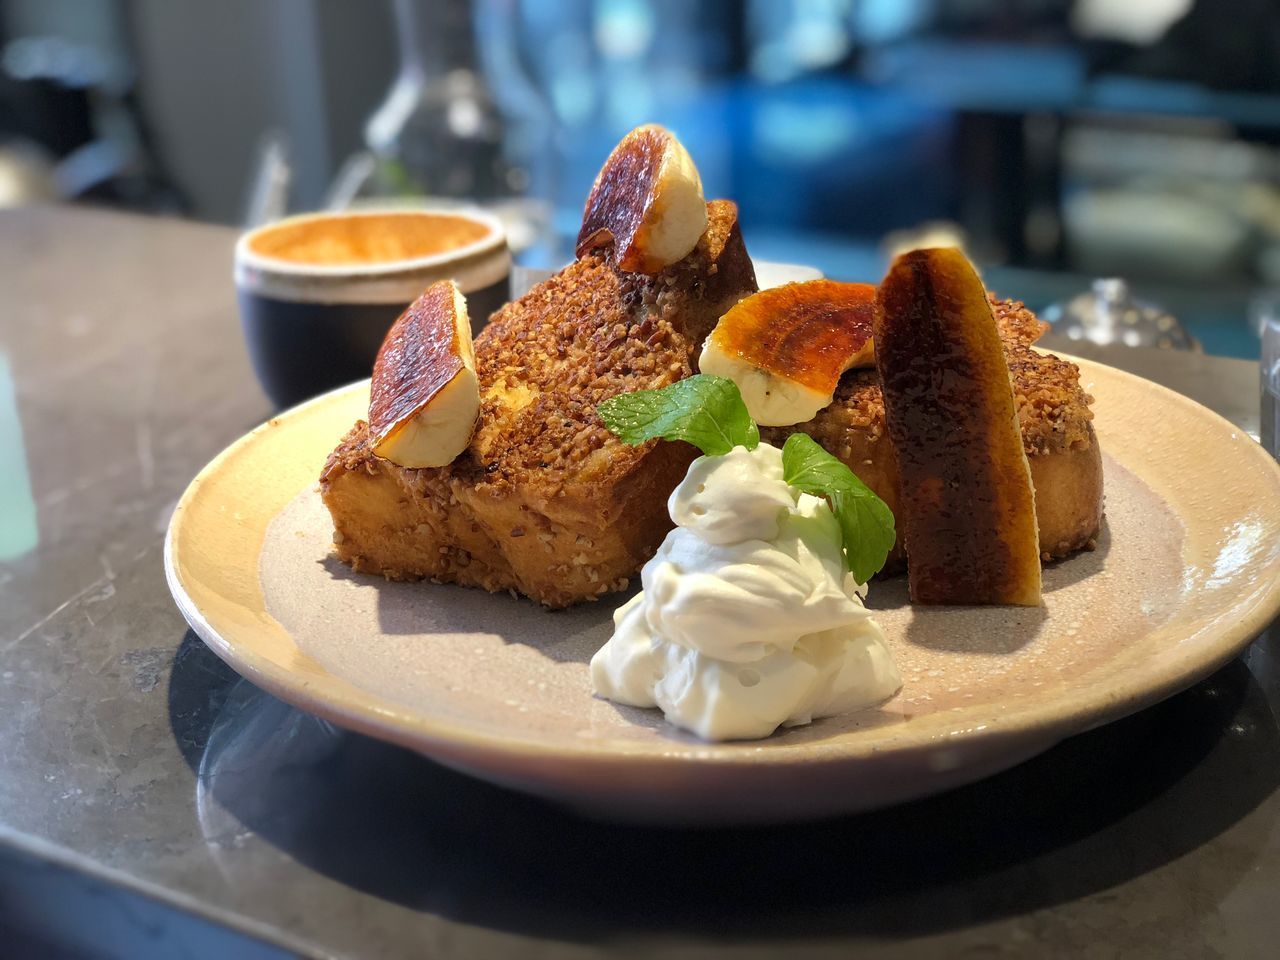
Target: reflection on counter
{"points": [[19, 532], [390, 823]]}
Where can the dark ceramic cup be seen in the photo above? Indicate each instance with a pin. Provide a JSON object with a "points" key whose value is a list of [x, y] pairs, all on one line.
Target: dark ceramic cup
{"points": [[318, 292]]}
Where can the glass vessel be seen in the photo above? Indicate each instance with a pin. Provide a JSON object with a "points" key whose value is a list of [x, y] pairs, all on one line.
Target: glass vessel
{"points": [[439, 132]]}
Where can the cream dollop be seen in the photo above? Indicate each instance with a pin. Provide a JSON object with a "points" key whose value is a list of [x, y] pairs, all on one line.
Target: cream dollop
{"points": [[748, 619]]}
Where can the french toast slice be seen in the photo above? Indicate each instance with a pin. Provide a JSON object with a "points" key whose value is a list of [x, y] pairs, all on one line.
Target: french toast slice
{"points": [[544, 500], [1057, 437]]}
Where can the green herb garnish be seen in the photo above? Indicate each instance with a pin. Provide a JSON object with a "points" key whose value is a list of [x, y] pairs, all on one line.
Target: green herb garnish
{"points": [[703, 410], [709, 413], [866, 522]]}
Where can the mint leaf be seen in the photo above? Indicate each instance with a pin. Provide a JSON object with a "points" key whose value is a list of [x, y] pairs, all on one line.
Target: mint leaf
{"points": [[709, 413], [703, 410], [808, 467], [866, 522]]}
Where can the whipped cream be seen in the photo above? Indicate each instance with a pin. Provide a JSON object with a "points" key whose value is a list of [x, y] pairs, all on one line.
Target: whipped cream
{"points": [[748, 619]]}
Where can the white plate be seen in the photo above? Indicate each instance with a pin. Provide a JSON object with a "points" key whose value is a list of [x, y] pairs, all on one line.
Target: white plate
{"points": [[1187, 572]]}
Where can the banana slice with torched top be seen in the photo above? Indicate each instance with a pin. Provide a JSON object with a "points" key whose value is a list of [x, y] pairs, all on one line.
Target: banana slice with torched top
{"points": [[424, 399], [648, 199], [967, 509], [786, 347]]}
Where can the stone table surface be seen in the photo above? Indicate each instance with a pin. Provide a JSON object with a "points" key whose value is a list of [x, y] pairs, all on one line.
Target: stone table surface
{"points": [[129, 753]]}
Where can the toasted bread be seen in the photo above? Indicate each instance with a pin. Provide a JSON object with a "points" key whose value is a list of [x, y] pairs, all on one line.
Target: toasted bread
{"points": [[1057, 436], [544, 500]]}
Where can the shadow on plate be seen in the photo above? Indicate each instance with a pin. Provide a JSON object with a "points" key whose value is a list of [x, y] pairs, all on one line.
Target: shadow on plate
{"points": [[406, 608], [966, 629], [987, 630], [990, 630], [891, 593], [1058, 574], [1094, 812], [574, 634]]}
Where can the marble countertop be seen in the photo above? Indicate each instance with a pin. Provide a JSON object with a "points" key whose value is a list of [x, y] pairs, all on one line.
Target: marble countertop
{"points": [[132, 755]]}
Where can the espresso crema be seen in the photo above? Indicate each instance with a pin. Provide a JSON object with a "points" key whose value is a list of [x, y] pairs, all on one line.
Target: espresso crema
{"points": [[366, 238]]}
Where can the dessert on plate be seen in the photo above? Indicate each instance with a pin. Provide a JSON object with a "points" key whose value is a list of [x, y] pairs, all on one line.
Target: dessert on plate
{"points": [[542, 499], [751, 614], [1053, 416], [514, 482]]}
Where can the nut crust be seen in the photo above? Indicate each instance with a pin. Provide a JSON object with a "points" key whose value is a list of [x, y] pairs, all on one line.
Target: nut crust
{"points": [[1057, 435], [545, 500]]}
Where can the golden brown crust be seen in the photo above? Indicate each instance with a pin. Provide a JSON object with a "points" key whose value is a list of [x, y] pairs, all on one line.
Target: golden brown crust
{"points": [[419, 356], [589, 333], [622, 195], [545, 500], [1068, 487], [1057, 435], [1017, 324], [809, 332], [582, 524], [1052, 406]]}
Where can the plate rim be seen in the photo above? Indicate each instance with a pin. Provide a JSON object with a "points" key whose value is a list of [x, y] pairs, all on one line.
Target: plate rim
{"points": [[446, 740]]}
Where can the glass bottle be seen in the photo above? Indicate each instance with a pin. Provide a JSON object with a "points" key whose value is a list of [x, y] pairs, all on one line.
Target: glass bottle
{"points": [[439, 132]]}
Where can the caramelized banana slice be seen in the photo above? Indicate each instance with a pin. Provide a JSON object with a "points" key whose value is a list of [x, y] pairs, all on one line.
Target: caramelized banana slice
{"points": [[648, 199], [424, 400], [967, 514], [786, 347]]}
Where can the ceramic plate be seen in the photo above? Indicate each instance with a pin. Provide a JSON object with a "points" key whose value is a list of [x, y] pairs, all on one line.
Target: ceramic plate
{"points": [[1186, 572]]}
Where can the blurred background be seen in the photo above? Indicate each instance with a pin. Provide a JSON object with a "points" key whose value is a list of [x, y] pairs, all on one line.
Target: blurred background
{"points": [[1060, 140]]}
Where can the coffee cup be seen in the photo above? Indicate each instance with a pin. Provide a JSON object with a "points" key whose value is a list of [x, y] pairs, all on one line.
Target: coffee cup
{"points": [[318, 292]]}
